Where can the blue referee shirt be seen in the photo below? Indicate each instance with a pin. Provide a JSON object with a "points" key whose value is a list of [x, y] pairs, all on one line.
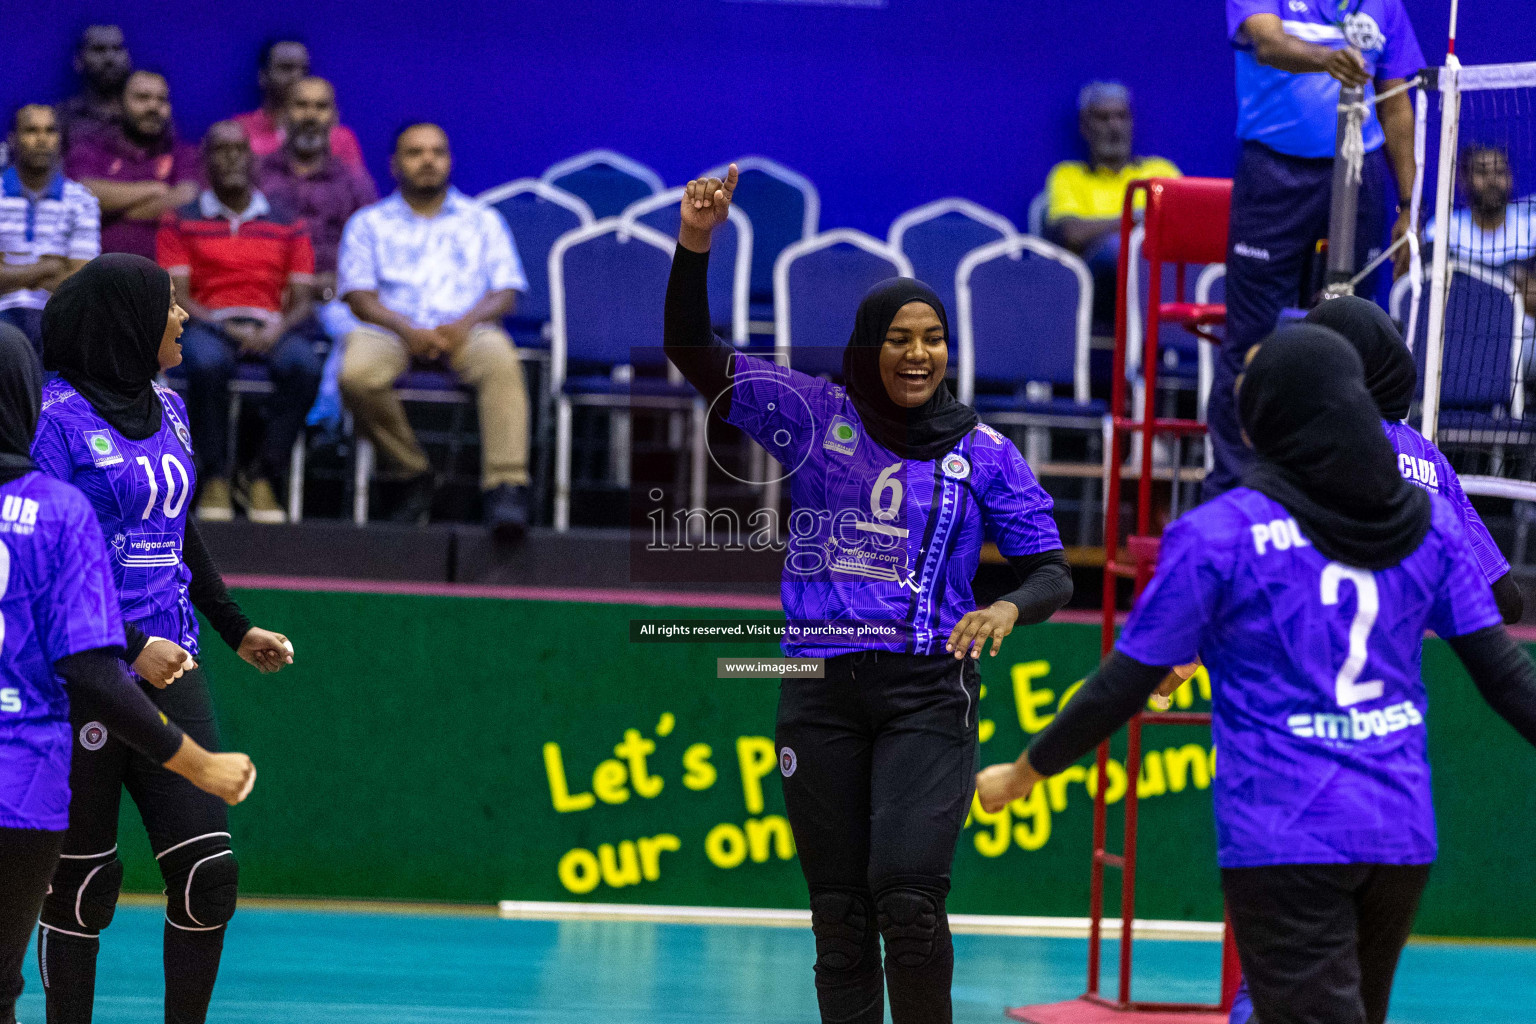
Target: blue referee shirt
{"points": [[1298, 114]]}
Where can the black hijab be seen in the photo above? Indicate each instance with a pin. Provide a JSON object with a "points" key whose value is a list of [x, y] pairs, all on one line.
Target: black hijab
{"points": [[929, 430], [102, 331], [21, 386], [1390, 373], [1322, 453]]}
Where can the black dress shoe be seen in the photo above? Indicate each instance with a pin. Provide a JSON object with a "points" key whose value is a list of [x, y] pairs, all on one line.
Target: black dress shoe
{"points": [[417, 505], [506, 512]]}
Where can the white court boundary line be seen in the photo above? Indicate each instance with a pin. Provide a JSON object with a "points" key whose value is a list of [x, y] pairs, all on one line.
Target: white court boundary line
{"points": [[960, 924]]}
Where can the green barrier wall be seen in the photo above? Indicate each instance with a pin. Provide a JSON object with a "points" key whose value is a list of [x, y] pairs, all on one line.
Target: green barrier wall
{"points": [[464, 749]]}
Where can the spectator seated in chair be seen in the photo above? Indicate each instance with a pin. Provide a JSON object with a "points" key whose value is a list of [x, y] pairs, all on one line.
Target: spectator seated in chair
{"points": [[138, 170], [246, 268], [50, 226], [284, 63], [305, 178], [431, 273], [1084, 200]]}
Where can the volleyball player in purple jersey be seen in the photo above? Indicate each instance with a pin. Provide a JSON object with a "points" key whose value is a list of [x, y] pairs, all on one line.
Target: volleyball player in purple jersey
{"points": [[61, 639], [1306, 592], [894, 486], [1391, 377], [107, 428]]}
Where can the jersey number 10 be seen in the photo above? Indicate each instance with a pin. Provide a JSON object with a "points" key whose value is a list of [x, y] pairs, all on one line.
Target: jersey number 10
{"points": [[1367, 603], [175, 500]]}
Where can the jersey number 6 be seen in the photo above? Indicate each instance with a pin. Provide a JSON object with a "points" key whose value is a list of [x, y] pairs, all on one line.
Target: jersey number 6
{"points": [[1367, 604], [174, 503]]}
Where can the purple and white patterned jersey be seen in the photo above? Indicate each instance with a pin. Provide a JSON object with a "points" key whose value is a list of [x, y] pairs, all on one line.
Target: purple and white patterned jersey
{"points": [[56, 599], [1317, 702], [1423, 464], [141, 492], [882, 550]]}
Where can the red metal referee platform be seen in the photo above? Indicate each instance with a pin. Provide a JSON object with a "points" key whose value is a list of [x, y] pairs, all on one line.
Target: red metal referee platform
{"points": [[1185, 223]]}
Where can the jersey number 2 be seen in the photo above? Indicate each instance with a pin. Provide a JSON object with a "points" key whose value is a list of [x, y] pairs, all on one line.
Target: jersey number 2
{"points": [[174, 501], [1367, 603]]}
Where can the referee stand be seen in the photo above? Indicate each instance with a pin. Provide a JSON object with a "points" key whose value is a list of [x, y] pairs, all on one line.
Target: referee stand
{"points": [[1185, 222]]}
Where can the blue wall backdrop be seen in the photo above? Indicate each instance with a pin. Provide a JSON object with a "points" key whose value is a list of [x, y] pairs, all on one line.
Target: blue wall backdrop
{"points": [[883, 108]]}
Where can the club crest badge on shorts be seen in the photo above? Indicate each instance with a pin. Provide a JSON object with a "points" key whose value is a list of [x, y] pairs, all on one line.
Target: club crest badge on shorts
{"points": [[787, 762], [955, 466], [93, 735]]}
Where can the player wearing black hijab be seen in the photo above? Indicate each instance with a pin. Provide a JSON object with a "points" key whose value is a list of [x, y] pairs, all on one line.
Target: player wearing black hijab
{"points": [[65, 636], [107, 428], [1306, 591], [1391, 377], [893, 487]]}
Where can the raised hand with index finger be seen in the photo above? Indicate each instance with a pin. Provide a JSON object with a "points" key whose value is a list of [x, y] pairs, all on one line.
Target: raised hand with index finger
{"points": [[706, 204]]}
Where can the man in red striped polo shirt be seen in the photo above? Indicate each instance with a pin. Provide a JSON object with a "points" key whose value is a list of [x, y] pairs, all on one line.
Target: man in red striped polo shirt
{"points": [[244, 269]]}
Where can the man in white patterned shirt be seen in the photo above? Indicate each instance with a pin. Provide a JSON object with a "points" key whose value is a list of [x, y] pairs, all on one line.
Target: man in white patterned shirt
{"points": [[49, 226], [431, 273]]}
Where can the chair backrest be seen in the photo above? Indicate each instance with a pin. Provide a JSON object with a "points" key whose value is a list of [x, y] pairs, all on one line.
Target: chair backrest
{"points": [[606, 287], [1484, 327], [1025, 314], [784, 206], [1210, 286], [606, 180], [537, 213], [937, 235], [1038, 207], [730, 252], [1186, 219], [818, 284]]}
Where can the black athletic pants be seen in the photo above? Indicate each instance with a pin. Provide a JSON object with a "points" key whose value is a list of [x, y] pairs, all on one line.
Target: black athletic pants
{"points": [[1319, 942], [27, 857], [879, 764], [189, 833]]}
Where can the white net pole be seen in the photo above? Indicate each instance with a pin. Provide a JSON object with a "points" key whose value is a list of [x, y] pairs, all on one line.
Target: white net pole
{"points": [[1416, 215], [1434, 343]]}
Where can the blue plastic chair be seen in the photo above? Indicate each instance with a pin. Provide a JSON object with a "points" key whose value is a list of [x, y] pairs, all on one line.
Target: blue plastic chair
{"points": [[606, 283], [937, 236], [537, 213], [730, 258], [1024, 316], [818, 284], [606, 181], [1480, 389], [785, 208]]}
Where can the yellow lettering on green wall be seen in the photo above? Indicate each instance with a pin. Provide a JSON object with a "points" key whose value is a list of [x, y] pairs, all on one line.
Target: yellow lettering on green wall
{"points": [[651, 849], [1028, 700], [634, 749], [698, 773], [993, 843], [1183, 761], [1057, 784], [579, 872], [559, 794], [619, 869], [756, 756], [725, 846], [1034, 812], [772, 830], [1150, 781], [608, 782]]}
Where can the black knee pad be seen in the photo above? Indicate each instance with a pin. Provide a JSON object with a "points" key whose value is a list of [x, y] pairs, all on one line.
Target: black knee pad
{"points": [[83, 895], [843, 923], [913, 924], [202, 882]]}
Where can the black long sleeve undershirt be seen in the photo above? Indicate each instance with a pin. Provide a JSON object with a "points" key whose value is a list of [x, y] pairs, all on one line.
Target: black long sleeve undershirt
{"points": [[1507, 595], [1502, 672], [96, 678], [1045, 585], [208, 594], [700, 355]]}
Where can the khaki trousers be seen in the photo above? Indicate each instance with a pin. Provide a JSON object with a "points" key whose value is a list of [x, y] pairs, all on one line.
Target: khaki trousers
{"points": [[488, 363]]}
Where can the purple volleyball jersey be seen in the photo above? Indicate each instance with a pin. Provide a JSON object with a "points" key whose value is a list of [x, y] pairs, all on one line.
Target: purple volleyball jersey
{"points": [[141, 491], [56, 599], [882, 550], [1423, 464], [1317, 702]]}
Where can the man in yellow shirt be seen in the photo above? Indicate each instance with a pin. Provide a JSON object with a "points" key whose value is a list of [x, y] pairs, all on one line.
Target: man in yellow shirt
{"points": [[1084, 199]]}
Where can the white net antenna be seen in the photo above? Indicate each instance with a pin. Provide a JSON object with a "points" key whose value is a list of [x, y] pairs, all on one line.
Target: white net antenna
{"points": [[1476, 339]]}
